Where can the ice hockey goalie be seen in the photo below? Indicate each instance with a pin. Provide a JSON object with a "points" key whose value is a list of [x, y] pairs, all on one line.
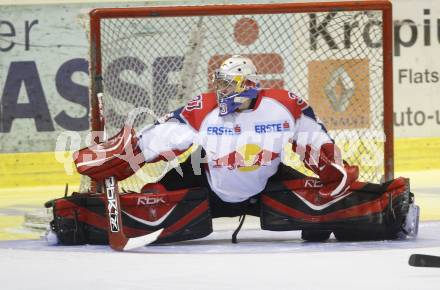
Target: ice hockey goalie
{"points": [[240, 131]]}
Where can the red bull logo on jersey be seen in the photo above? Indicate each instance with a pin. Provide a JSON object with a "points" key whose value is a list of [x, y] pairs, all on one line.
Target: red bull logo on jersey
{"points": [[249, 157], [262, 128]]}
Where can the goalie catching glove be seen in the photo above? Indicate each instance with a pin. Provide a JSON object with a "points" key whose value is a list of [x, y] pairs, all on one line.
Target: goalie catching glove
{"points": [[120, 156], [335, 175]]}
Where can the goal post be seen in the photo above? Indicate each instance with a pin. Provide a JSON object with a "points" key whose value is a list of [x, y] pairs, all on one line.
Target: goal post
{"points": [[337, 55]]}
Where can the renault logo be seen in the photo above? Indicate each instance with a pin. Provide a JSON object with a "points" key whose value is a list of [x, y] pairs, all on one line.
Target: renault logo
{"points": [[339, 89]]}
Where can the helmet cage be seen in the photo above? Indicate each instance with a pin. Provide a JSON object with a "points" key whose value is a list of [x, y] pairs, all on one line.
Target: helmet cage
{"points": [[236, 76], [226, 85]]}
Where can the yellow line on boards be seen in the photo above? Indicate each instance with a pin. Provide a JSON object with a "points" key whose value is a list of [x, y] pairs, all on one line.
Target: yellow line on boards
{"points": [[415, 154], [36, 168], [11, 229], [45, 168]]}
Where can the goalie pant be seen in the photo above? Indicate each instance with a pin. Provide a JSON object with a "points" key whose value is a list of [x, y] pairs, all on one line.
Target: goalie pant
{"points": [[366, 212]]}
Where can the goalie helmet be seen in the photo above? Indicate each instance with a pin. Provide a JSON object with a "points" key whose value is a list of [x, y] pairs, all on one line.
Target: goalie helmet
{"points": [[235, 81]]}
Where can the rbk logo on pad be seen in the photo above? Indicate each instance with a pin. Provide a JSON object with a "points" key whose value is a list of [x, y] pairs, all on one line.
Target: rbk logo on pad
{"points": [[112, 204]]}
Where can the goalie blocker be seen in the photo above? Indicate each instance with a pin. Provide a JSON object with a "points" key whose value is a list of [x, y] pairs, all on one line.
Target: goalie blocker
{"points": [[365, 212]]}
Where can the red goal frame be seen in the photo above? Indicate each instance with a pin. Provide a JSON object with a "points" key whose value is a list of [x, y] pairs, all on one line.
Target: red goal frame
{"points": [[385, 6]]}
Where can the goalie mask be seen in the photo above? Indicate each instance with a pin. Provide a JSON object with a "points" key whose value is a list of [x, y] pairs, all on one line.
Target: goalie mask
{"points": [[235, 82]]}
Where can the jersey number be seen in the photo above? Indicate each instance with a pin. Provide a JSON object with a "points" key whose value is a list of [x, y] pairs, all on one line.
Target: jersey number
{"points": [[299, 101], [194, 104]]}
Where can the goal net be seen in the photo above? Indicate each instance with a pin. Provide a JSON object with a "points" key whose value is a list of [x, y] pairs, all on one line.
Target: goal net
{"points": [[336, 55]]}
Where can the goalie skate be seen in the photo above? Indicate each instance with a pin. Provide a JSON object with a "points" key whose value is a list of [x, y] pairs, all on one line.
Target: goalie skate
{"points": [[411, 224]]}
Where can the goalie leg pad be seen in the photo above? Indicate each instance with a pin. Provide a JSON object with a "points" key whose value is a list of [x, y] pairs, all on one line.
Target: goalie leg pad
{"points": [[315, 235], [365, 212], [183, 214]]}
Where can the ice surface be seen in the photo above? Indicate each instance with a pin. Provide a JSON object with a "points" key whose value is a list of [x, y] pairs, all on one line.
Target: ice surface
{"points": [[261, 260]]}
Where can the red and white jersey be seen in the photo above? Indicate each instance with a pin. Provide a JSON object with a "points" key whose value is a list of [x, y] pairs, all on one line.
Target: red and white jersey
{"points": [[243, 149]]}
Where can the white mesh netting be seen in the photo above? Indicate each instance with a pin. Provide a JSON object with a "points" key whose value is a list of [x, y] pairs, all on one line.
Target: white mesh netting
{"points": [[334, 60]]}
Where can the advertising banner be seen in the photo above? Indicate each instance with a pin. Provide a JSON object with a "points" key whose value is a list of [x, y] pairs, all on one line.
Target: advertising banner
{"points": [[43, 76], [416, 68], [44, 73]]}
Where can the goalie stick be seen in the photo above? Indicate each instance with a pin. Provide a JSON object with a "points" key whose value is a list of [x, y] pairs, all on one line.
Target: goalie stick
{"points": [[117, 239], [420, 260]]}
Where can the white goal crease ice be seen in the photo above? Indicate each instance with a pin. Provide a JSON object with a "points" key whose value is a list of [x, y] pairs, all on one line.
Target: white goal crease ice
{"points": [[336, 55]]}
